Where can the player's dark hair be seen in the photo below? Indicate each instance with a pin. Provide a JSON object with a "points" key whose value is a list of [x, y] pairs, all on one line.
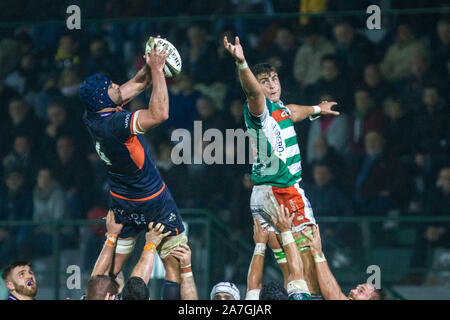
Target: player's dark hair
{"points": [[98, 286], [9, 268], [378, 294], [263, 68], [135, 289], [273, 291]]}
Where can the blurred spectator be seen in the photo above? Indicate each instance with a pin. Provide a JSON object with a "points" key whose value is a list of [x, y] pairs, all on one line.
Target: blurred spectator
{"points": [[328, 200], [171, 173], [281, 55], [378, 88], [432, 135], [23, 158], [207, 113], [322, 152], [59, 124], [25, 78], [199, 55], [49, 205], [412, 87], [332, 82], [100, 60], [398, 129], [334, 129], [67, 167], [67, 52], [224, 59], [307, 61], [353, 49], [16, 204], [366, 116], [441, 45], [22, 121], [234, 115], [432, 234], [182, 103], [381, 180], [396, 64]]}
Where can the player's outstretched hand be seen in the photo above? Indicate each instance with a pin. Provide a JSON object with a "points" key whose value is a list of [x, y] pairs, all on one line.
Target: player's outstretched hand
{"points": [[284, 219], [325, 108], [156, 59], [236, 50], [315, 243], [183, 254], [260, 235], [111, 226], [155, 233]]}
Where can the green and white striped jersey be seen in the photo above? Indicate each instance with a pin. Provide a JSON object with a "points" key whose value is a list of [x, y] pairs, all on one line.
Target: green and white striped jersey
{"points": [[277, 159]]}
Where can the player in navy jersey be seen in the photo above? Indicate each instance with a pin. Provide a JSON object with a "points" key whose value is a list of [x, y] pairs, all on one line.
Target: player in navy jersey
{"points": [[138, 195]]}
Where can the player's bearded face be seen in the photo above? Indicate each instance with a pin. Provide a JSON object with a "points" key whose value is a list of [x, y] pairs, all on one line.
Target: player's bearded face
{"points": [[26, 287], [270, 85]]}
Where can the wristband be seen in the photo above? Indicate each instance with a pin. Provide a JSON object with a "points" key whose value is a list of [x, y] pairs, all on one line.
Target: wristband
{"points": [[111, 240], [186, 275], [319, 257], [149, 246], [317, 110], [242, 65], [186, 272], [287, 238], [260, 249]]}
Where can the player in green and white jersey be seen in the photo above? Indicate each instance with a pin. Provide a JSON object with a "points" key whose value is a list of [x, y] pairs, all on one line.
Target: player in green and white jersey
{"points": [[277, 168]]}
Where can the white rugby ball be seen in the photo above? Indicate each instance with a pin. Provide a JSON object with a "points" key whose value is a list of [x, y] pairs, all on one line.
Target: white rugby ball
{"points": [[173, 61]]}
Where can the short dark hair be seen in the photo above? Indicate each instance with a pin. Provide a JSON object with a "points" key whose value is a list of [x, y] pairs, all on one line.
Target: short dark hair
{"points": [[9, 268], [98, 286], [273, 291], [378, 294], [135, 289], [263, 68]]}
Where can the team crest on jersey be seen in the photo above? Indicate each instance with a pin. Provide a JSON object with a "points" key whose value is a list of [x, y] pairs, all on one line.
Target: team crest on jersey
{"points": [[172, 217]]}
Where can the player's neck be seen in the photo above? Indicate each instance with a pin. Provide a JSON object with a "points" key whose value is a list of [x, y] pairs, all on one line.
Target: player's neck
{"points": [[20, 296]]}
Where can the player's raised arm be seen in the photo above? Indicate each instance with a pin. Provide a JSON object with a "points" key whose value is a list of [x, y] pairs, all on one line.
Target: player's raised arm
{"points": [[188, 287], [328, 285], [153, 237], [299, 113], [104, 260], [158, 107], [255, 272], [250, 85], [137, 84]]}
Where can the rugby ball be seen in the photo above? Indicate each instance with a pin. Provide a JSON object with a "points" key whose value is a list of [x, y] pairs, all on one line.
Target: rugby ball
{"points": [[173, 61]]}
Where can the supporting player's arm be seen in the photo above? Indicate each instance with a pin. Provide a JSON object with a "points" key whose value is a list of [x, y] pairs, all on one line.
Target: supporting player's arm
{"points": [[255, 272], [299, 113], [250, 85], [328, 285], [188, 287], [153, 237], [137, 84], [284, 224], [104, 260], [158, 107]]}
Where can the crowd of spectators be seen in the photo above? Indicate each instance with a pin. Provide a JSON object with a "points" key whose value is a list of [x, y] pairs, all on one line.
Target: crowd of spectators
{"points": [[387, 154]]}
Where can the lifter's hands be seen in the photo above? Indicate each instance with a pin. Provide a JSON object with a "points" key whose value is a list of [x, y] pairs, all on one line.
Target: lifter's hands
{"points": [[183, 254], [236, 50], [260, 235], [315, 243], [155, 233], [111, 226], [284, 219]]}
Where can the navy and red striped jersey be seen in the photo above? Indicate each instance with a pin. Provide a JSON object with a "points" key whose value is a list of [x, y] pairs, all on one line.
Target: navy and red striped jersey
{"points": [[132, 174]]}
